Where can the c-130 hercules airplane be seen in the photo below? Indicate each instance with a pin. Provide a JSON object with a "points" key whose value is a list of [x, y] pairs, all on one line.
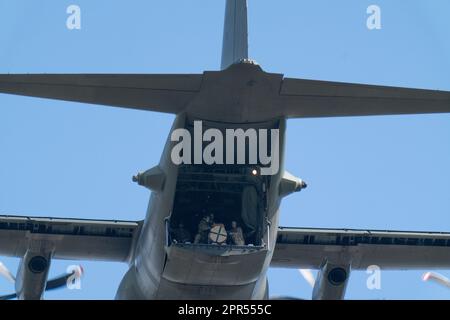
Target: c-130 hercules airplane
{"points": [[169, 257]]}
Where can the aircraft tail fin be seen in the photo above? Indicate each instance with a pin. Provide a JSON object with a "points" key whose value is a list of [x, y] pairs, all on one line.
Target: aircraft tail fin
{"points": [[235, 34]]}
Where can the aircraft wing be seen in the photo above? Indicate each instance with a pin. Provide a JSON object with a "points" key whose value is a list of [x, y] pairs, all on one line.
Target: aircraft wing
{"points": [[72, 239], [168, 93], [309, 248], [309, 98]]}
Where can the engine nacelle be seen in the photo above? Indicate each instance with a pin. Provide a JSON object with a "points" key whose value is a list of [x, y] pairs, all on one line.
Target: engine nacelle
{"points": [[32, 275], [331, 282]]}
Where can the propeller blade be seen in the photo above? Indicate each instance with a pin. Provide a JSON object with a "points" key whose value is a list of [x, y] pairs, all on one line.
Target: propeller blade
{"points": [[308, 276], [53, 284], [6, 273], [8, 297], [436, 277], [61, 281], [57, 282], [10, 277]]}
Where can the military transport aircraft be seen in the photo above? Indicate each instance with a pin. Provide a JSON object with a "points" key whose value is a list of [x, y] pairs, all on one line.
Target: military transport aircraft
{"points": [[165, 260]]}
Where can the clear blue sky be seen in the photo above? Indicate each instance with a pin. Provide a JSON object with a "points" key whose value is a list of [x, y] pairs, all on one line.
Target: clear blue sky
{"points": [[76, 160]]}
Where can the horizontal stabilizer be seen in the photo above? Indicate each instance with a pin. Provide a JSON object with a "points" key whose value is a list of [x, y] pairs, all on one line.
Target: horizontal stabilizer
{"points": [[309, 98], [168, 93], [241, 89]]}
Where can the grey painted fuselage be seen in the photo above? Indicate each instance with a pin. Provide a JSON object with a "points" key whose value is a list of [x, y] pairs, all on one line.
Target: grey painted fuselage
{"points": [[162, 271]]}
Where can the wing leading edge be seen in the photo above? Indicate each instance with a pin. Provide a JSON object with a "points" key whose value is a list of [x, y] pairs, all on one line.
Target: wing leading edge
{"points": [[73, 239], [310, 248]]}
